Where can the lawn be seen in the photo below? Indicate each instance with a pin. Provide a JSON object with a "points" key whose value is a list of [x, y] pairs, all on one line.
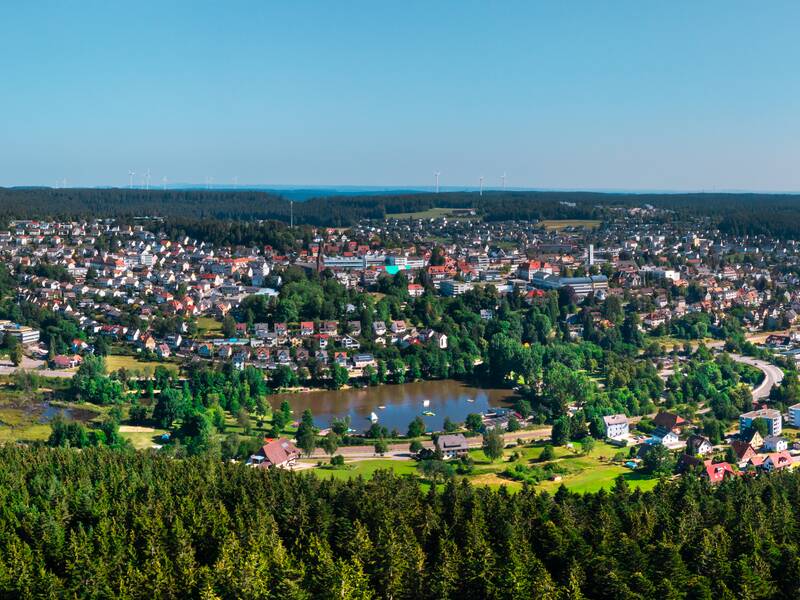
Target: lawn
{"points": [[586, 473], [367, 468], [556, 224], [432, 213], [115, 362], [142, 438], [209, 327]]}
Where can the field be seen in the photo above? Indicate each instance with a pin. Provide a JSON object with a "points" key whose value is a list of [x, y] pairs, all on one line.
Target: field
{"points": [[584, 473], [432, 213], [142, 438], [132, 363], [556, 224], [209, 327]]}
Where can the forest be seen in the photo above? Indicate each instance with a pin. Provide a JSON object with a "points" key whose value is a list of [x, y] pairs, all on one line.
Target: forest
{"points": [[194, 210], [102, 523]]}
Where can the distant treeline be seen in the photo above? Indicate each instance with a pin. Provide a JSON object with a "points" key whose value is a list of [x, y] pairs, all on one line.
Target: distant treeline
{"points": [[771, 214], [99, 523]]}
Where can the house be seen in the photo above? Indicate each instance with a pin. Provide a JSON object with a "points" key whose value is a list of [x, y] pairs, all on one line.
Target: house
{"points": [[440, 339], [777, 461], [775, 443], [616, 426], [716, 472], [415, 290], [398, 326], [280, 453], [771, 416], [698, 445], [66, 362], [163, 351], [670, 421], [306, 328], [452, 445], [752, 437], [379, 328], [361, 361], [662, 435], [743, 450]]}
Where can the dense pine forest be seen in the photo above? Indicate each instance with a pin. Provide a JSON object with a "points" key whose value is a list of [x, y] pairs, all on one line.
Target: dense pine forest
{"points": [[195, 211], [99, 523]]}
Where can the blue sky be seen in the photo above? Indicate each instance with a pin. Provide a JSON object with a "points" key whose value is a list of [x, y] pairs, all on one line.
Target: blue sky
{"points": [[591, 95]]}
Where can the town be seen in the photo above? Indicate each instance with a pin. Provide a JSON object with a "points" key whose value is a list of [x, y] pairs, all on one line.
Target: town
{"points": [[677, 335]]}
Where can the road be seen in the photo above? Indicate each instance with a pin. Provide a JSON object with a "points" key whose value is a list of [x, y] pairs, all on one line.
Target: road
{"points": [[31, 364], [401, 452], [772, 375]]}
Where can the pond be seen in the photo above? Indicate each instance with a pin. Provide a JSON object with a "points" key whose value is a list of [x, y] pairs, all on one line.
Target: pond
{"points": [[47, 412], [401, 403]]}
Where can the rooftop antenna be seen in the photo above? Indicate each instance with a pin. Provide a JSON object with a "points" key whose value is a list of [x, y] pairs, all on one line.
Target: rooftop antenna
{"points": [[503, 179], [131, 173], [481, 189], [436, 174]]}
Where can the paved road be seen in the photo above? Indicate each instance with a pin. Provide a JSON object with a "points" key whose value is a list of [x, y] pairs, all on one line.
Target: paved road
{"points": [[772, 375], [400, 451], [31, 364]]}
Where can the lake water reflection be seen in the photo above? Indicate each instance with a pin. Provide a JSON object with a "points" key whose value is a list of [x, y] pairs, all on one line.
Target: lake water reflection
{"points": [[447, 398]]}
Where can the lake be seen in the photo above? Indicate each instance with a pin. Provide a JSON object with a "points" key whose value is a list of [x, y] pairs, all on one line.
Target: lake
{"points": [[448, 398]]}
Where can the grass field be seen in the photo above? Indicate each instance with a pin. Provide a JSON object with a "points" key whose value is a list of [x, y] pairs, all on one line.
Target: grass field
{"points": [[556, 224], [142, 438], [132, 363], [209, 327], [432, 213], [588, 473], [25, 416]]}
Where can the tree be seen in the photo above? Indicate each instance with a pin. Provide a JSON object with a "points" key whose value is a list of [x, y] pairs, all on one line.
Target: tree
{"points": [[416, 428], [513, 424], [381, 447], [228, 327], [415, 447], [474, 422], [449, 426], [658, 461], [339, 376], [587, 445], [561, 431], [15, 354], [306, 435], [548, 453], [493, 444], [330, 443]]}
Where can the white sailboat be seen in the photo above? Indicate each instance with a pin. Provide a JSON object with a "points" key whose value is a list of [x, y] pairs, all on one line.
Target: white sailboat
{"points": [[426, 403], [373, 417]]}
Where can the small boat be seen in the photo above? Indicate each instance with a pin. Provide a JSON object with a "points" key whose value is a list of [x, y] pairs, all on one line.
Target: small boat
{"points": [[470, 399], [373, 417], [381, 407], [428, 413], [426, 403]]}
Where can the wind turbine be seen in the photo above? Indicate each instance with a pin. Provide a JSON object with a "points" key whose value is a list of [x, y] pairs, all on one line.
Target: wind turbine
{"points": [[235, 181], [481, 180], [164, 181], [147, 180], [131, 173], [436, 174], [503, 178]]}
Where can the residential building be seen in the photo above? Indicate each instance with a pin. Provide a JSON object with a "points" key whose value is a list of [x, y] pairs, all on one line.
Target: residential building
{"points": [[771, 416], [452, 445], [616, 426]]}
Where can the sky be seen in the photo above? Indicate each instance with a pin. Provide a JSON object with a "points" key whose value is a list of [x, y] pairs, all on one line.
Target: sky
{"points": [[623, 95]]}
